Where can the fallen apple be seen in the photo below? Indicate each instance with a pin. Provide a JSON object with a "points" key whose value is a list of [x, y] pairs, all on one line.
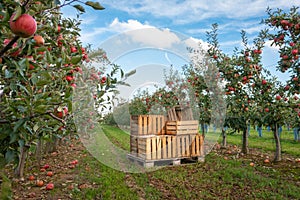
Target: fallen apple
{"points": [[49, 186]]}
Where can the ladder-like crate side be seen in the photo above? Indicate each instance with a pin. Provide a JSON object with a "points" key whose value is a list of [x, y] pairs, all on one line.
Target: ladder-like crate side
{"points": [[166, 146], [182, 127], [147, 125]]}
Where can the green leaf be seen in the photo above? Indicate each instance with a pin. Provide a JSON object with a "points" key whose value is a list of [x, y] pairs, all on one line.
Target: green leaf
{"points": [[79, 8], [23, 88], [35, 127], [49, 57], [10, 156], [94, 5], [13, 137], [8, 74], [19, 124], [18, 13], [76, 59]]}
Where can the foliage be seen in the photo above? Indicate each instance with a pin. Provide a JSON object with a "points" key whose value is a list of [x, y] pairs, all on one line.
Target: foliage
{"points": [[38, 80]]}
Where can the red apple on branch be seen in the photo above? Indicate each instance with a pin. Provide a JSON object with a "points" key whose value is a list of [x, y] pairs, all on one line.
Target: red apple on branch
{"points": [[24, 26], [39, 40], [278, 97]]}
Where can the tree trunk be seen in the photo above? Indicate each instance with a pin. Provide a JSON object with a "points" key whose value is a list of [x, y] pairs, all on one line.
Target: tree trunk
{"points": [[224, 138], [203, 130], [245, 149], [38, 152], [19, 171], [277, 157]]}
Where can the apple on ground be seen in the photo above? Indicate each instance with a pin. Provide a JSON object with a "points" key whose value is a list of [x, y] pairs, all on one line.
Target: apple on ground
{"points": [[46, 166], [50, 173], [49, 186], [31, 178], [39, 183]]}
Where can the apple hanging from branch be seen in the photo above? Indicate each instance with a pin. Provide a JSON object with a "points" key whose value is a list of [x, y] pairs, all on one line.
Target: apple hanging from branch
{"points": [[24, 26]]}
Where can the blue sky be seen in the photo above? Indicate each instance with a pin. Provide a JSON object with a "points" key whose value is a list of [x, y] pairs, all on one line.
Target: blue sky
{"points": [[187, 18]]}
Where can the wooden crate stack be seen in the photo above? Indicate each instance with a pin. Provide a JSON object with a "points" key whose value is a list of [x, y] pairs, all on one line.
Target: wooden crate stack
{"points": [[156, 137]]}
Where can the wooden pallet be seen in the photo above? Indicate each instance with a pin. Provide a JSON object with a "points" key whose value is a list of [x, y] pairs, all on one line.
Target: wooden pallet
{"points": [[147, 125], [182, 127], [154, 147], [163, 162]]}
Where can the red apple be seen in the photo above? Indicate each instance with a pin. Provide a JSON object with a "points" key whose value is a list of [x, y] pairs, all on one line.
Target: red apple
{"points": [[31, 178], [264, 82], [24, 26], [39, 40], [103, 79], [49, 186], [69, 78], [295, 52], [31, 66], [39, 183], [287, 87], [85, 57], [284, 22], [73, 85], [50, 173], [267, 110], [58, 28], [62, 113], [73, 49], [46, 166], [278, 97]]}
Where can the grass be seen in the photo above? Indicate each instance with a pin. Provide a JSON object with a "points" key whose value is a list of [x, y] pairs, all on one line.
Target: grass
{"points": [[216, 178], [5, 188], [266, 143]]}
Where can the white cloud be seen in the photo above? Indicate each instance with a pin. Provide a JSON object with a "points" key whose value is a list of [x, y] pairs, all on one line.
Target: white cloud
{"points": [[154, 37], [131, 24], [194, 11], [137, 32]]}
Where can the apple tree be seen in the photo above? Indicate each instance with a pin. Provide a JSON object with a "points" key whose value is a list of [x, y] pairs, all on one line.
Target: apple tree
{"points": [[239, 72], [284, 33], [39, 67]]}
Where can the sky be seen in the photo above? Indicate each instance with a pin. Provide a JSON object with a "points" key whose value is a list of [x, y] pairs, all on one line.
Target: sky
{"points": [[140, 33]]}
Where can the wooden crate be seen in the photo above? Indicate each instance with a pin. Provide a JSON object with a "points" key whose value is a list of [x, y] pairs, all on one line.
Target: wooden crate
{"points": [[182, 127], [166, 147], [197, 145], [147, 125]]}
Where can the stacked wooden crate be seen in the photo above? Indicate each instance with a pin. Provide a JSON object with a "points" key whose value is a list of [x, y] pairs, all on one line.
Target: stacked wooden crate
{"points": [[159, 137]]}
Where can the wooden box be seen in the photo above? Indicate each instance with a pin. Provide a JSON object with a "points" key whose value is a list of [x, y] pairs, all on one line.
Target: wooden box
{"points": [[166, 146], [147, 125], [182, 127]]}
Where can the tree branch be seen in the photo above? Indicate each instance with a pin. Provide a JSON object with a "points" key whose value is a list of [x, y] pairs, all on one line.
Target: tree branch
{"points": [[9, 45]]}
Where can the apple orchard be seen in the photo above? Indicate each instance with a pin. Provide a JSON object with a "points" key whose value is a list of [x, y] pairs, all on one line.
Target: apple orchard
{"points": [[43, 62]]}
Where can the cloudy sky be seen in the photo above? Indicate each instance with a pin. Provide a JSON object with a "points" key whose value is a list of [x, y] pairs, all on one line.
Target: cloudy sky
{"points": [[172, 24]]}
